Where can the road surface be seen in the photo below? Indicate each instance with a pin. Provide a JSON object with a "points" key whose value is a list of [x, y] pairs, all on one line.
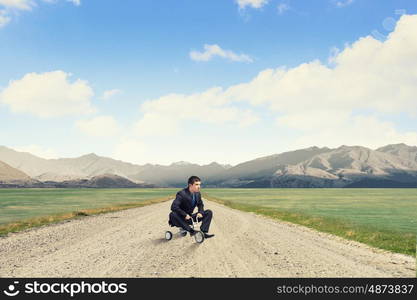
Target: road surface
{"points": [[131, 243]]}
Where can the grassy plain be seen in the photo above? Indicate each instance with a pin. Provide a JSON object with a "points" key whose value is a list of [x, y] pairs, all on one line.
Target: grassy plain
{"points": [[25, 208], [383, 218]]}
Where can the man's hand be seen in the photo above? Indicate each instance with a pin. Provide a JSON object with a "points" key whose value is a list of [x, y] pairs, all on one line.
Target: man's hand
{"points": [[187, 217], [199, 216]]}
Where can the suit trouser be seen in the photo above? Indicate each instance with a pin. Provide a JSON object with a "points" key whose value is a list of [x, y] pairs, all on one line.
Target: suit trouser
{"points": [[179, 221]]}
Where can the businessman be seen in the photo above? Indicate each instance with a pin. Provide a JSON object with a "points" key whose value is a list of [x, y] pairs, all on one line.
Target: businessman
{"points": [[183, 206]]}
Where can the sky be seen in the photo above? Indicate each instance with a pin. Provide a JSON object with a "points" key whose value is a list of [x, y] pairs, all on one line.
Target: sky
{"points": [[205, 81]]}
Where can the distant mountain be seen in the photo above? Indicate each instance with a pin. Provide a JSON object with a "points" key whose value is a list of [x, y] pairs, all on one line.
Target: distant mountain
{"points": [[11, 175], [50, 176], [177, 174], [345, 166], [347, 161], [263, 167], [72, 170], [83, 167], [407, 154], [100, 181]]}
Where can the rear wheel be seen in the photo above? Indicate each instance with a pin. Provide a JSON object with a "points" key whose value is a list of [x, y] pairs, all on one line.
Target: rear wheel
{"points": [[168, 235]]}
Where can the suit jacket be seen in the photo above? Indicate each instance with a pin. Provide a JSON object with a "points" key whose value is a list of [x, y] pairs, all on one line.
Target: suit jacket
{"points": [[182, 204]]}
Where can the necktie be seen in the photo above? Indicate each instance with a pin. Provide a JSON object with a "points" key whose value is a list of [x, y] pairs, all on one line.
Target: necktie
{"points": [[193, 202]]}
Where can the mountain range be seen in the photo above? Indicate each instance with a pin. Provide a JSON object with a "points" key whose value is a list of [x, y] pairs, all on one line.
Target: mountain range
{"points": [[346, 166]]}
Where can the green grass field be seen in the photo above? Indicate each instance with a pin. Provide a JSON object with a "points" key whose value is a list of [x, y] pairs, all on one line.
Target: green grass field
{"points": [[392, 209], [384, 218], [23, 204]]}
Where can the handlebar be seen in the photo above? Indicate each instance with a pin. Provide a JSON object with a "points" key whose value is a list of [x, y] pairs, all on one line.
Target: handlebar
{"points": [[196, 220]]}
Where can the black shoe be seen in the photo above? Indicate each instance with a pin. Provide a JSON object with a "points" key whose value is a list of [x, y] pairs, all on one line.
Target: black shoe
{"points": [[192, 232], [207, 236]]}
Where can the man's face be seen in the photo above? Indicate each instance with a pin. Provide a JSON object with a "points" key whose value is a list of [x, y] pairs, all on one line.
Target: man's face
{"points": [[194, 188]]}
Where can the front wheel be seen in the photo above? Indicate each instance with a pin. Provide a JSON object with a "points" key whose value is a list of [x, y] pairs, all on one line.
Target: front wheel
{"points": [[199, 237]]}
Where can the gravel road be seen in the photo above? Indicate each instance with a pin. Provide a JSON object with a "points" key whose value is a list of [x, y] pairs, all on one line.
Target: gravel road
{"points": [[131, 243]]}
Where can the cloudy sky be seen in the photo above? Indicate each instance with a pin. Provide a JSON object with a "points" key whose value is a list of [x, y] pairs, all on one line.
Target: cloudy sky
{"points": [[210, 80]]}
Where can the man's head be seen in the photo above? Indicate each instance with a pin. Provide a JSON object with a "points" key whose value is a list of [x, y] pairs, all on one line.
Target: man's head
{"points": [[194, 184]]}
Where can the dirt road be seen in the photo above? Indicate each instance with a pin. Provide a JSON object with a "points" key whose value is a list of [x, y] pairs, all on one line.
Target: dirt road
{"points": [[130, 244]]}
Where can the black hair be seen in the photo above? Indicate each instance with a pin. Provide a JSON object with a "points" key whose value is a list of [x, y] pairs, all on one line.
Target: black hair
{"points": [[193, 179]]}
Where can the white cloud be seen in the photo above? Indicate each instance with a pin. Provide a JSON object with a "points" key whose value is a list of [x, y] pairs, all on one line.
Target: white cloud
{"points": [[131, 150], [156, 124], [37, 150], [4, 18], [110, 93], [360, 130], [215, 50], [18, 4], [332, 104], [282, 7], [368, 74], [13, 6], [334, 52], [48, 95], [164, 116], [75, 2], [343, 3], [102, 126], [254, 3], [313, 120]]}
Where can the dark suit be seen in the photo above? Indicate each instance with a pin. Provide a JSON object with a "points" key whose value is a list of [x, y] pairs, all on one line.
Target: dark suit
{"points": [[183, 206]]}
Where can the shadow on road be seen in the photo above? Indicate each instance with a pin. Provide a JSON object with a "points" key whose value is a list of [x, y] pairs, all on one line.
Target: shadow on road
{"points": [[159, 241], [193, 246]]}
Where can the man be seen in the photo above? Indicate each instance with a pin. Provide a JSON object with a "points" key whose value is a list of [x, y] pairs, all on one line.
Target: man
{"points": [[182, 208]]}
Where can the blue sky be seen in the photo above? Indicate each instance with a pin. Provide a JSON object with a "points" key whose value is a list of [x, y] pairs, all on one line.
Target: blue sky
{"points": [[203, 81]]}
